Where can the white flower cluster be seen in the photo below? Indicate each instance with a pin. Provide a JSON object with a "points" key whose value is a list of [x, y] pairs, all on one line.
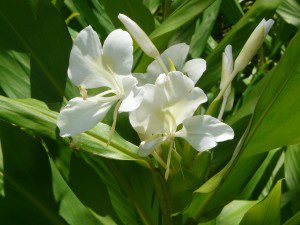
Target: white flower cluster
{"points": [[161, 103]]}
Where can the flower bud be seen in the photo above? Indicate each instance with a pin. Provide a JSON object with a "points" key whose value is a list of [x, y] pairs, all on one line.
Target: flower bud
{"points": [[140, 36], [252, 45], [226, 76], [227, 67]]}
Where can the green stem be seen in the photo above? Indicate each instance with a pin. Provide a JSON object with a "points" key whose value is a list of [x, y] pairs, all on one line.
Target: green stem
{"points": [[213, 106], [128, 189], [159, 160], [73, 15], [169, 160], [163, 196]]}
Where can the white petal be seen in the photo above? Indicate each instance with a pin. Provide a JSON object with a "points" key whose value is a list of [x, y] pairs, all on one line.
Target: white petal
{"points": [[202, 132], [147, 147], [85, 58], [148, 118], [118, 52], [177, 53], [133, 95], [173, 87], [144, 78], [81, 115], [188, 105], [194, 68]]}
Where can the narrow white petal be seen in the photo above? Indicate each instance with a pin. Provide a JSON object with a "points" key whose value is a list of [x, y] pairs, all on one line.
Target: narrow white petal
{"points": [[203, 132], [84, 57], [147, 147], [81, 115], [177, 53], [118, 52], [194, 68]]}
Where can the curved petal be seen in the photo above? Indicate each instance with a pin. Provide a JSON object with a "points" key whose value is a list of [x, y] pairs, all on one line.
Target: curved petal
{"points": [[173, 87], [81, 115], [118, 52], [188, 105], [203, 132], [177, 53], [85, 58], [147, 147], [148, 118], [133, 95], [194, 68]]}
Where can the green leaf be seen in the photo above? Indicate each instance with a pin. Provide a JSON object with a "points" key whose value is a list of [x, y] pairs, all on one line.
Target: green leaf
{"points": [[183, 14], [37, 28], [93, 13], [237, 37], [250, 101], [267, 211], [292, 167], [152, 5], [87, 179], [34, 191], [273, 123], [204, 29], [295, 220], [232, 10], [134, 9], [14, 74], [292, 175], [289, 10], [233, 213], [88, 175], [258, 176], [36, 117]]}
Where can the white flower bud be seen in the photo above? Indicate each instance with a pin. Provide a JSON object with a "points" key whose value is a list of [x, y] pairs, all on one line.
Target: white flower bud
{"points": [[252, 45], [227, 66], [226, 76], [140, 36]]}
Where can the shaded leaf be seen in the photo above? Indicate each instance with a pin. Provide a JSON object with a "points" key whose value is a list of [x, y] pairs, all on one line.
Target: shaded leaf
{"points": [[267, 211], [39, 30], [289, 10], [35, 116]]}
